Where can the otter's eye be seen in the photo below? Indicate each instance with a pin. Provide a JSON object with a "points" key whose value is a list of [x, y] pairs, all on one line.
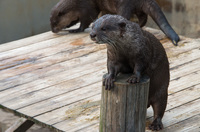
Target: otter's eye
{"points": [[61, 14], [103, 29]]}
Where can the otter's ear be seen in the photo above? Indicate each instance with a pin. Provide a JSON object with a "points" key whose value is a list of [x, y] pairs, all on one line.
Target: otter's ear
{"points": [[122, 25]]}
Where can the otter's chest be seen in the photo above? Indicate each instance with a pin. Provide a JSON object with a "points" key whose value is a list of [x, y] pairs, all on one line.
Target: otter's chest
{"points": [[126, 60]]}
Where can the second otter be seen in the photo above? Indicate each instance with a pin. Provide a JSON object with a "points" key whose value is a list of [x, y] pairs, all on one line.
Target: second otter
{"points": [[68, 12], [133, 50]]}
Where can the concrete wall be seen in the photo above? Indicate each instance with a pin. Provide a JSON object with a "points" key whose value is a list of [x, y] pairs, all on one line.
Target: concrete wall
{"points": [[23, 18]]}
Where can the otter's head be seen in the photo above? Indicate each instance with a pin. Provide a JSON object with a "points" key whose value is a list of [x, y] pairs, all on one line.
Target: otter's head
{"points": [[63, 15], [108, 29]]}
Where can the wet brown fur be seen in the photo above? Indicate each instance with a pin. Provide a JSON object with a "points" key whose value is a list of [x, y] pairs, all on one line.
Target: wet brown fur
{"points": [[133, 50], [86, 11]]}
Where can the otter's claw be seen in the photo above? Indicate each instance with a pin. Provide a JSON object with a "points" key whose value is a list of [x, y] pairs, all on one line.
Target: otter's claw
{"points": [[156, 125], [108, 82], [133, 79], [175, 42]]}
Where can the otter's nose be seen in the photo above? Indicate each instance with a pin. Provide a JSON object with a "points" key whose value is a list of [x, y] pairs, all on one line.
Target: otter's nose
{"points": [[92, 35]]}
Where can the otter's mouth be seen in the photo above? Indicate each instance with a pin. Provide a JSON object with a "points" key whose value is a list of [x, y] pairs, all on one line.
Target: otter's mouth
{"points": [[97, 41], [55, 30], [72, 23]]}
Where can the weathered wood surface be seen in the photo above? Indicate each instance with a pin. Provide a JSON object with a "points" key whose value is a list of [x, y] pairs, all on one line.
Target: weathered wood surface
{"points": [[55, 81], [123, 108]]}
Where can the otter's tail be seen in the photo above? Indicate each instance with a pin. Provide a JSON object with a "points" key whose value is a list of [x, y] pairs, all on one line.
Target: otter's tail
{"points": [[152, 8]]}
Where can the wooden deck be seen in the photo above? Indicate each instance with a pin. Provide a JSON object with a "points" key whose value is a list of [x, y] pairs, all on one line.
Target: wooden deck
{"points": [[55, 81]]}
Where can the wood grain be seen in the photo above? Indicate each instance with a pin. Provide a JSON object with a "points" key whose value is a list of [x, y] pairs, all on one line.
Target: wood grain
{"points": [[55, 81], [124, 107]]}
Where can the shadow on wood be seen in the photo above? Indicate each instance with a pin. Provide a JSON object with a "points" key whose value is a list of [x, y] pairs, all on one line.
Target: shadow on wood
{"points": [[123, 109]]}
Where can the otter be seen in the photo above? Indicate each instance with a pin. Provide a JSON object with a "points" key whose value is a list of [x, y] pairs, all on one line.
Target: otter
{"points": [[66, 13], [133, 50]]}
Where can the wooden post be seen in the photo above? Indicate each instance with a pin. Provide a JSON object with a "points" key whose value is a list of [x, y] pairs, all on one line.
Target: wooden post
{"points": [[123, 109]]}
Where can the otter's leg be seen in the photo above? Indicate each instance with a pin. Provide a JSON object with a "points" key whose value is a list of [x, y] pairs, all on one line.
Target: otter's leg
{"points": [[135, 78], [113, 70], [142, 17], [85, 22], [151, 8], [159, 105], [139, 67]]}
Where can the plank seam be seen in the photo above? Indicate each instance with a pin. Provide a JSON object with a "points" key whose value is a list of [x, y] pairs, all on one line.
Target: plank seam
{"points": [[41, 68], [56, 95], [183, 120], [60, 43]]}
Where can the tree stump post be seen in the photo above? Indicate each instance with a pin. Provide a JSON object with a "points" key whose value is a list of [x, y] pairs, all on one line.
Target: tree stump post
{"points": [[123, 108]]}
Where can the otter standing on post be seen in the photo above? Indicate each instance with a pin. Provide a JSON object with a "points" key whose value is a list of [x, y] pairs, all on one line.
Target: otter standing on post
{"points": [[133, 50], [69, 12]]}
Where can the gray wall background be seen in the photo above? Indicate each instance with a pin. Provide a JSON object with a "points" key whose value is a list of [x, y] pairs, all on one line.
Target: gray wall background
{"points": [[23, 18]]}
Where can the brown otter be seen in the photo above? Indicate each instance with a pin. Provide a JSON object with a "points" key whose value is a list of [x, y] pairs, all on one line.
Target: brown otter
{"points": [[133, 50], [68, 12]]}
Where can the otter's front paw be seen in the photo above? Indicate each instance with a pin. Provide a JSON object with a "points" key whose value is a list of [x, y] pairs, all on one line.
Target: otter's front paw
{"points": [[156, 126], [108, 82], [133, 79], [75, 30]]}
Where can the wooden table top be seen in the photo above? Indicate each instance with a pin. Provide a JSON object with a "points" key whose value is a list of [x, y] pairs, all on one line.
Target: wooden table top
{"points": [[55, 81]]}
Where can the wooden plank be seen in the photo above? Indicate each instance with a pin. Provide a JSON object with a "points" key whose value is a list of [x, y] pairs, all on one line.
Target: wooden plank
{"points": [[184, 96], [61, 46], [27, 41], [171, 118], [181, 113], [184, 82], [74, 110], [37, 46], [185, 69], [180, 98], [184, 58], [34, 74], [183, 47], [61, 91], [57, 102], [64, 123], [54, 81], [32, 40], [191, 124], [15, 79], [177, 98], [23, 97], [33, 78], [43, 63], [14, 60], [28, 66], [82, 115]]}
